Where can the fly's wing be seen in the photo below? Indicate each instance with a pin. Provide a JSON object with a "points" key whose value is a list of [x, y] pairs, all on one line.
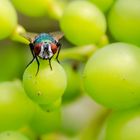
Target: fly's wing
{"points": [[57, 35], [29, 36]]}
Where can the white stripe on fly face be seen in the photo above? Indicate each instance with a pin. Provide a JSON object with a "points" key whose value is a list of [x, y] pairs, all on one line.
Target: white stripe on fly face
{"points": [[46, 54]]}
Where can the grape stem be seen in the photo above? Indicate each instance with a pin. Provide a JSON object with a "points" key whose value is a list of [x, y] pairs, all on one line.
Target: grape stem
{"points": [[93, 130], [15, 36], [78, 53]]}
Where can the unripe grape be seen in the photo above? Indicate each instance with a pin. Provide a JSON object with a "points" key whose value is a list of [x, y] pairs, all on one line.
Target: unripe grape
{"points": [[15, 107], [11, 56], [45, 122], [104, 40], [104, 5], [8, 19], [73, 89], [124, 21], [123, 125], [28, 132], [31, 7], [56, 136], [39, 8], [112, 76], [48, 85], [83, 23], [12, 135]]}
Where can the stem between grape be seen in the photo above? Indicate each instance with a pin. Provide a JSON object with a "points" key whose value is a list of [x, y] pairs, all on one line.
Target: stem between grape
{"points": [[92, 131], [17, 37], [78, 53]]}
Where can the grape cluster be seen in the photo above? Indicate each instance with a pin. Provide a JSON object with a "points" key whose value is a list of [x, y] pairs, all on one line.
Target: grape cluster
{"points": [[100, 57]]}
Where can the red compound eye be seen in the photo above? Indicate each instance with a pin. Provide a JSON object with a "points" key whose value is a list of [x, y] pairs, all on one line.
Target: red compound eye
{"points": [[54, 48], [37, 48]]}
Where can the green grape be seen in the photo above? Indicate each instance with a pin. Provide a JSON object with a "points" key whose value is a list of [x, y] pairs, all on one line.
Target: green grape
{"points": [[55, 136], [104, 40], [55, 8], [112, 76], [48, 85], [104, 5], [11, 56], [15, 107], [73, 84], [8, 19], [124, 21], [12, 135], [45, 122], [123, 125], [35, 8], [28, 132], [51, 106], [83, 23], [39, 8]]}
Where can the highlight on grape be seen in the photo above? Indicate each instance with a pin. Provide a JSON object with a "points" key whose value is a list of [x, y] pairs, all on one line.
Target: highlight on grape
{"points": [[70, 69]]}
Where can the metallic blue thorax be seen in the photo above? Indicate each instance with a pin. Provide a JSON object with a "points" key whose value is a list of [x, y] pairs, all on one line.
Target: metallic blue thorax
{"points": [[43, 37]]}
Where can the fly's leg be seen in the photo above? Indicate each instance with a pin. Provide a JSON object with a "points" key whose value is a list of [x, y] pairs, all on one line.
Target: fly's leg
{"points": [[31, 49], [57, 55], [50, 63], [38, 65], [34, 57]]}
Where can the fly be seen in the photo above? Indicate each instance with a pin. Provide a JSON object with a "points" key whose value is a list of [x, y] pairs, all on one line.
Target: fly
{"points": [[44, 46]]}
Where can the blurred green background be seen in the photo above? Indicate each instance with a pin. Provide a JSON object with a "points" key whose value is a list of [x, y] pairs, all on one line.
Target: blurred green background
{"points": [[88, 26]]}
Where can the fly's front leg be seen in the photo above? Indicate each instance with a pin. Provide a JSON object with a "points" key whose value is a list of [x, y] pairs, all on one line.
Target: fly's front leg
{"points": [[31, 49], [38, 65], [59, 48], [50, 63], [34, 57]]}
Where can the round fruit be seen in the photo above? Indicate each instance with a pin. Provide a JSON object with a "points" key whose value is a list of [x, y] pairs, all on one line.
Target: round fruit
{"points": [[15, 107], [104, 40], [28, 132], [8, 19], [11, 56], [12, 135], [39, 8], [35, 8], [104, 5], [123, 125], [48, 85], [112, 76], [45, 122], [124, 21], [73, 84], [55, 8], [83, 23]]}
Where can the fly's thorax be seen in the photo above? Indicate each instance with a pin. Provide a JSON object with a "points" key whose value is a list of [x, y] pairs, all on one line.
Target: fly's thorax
{"points": [[43, 37]]}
